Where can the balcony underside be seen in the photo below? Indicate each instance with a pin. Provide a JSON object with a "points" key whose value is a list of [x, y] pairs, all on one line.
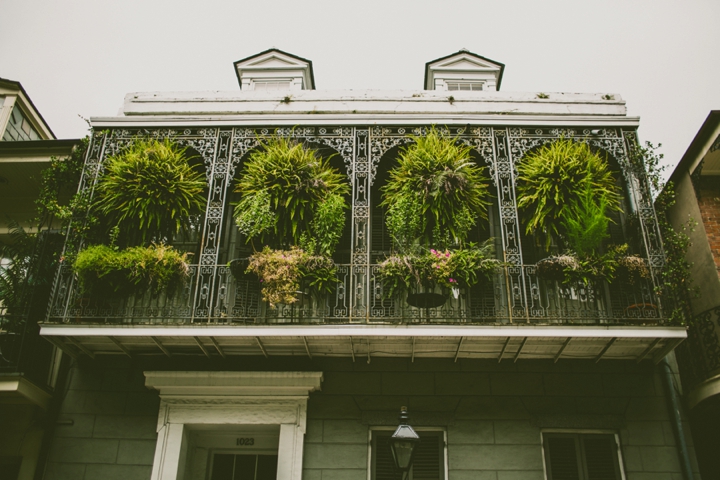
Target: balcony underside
{"points": [[363, 342]]}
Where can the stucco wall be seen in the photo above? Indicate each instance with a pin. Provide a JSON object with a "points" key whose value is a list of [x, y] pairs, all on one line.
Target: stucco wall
{"points": [[703, 270], [493, 413]]}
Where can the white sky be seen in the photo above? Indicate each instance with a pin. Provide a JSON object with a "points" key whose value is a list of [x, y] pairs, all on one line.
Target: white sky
{"points": [[80, 57]]}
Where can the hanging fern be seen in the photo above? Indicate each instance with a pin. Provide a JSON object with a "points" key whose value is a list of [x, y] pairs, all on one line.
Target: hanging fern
{"points": [[436, 179], [552, 186], [149, 192], [288, 191]]}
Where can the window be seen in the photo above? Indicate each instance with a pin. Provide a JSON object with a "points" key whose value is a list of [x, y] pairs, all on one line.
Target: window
{"points": [[271, 85], [581, 456], [429, 463], [19, 127], [227, 466], [465, 86]]}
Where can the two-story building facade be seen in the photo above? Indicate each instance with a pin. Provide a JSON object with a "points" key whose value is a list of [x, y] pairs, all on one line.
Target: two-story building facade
{"points": [[517, 377]]}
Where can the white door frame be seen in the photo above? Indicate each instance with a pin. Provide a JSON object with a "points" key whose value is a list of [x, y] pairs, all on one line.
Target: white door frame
{"points": [[230, 398]]}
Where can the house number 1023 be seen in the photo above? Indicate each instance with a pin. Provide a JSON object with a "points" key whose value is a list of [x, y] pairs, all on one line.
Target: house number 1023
{"points": [[245, 442]]}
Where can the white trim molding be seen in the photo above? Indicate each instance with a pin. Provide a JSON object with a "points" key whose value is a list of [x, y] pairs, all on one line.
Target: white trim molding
{"points": [[190, 399]]}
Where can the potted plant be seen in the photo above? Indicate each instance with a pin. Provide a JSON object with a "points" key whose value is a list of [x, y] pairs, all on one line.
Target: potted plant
{"points": [[145, 196], [149, 192], [556, 182], [293, 202], [434, 197], [421, 272], [565, 193], [105, 271]]}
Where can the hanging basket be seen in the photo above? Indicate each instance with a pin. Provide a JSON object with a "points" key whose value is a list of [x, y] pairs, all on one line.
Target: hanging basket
{"points": [[554, 268], [426, 298]]}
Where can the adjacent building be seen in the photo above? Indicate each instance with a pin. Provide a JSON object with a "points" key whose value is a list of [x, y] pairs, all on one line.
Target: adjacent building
{"points": [[517, 378], [697, 186], [28, 365]]}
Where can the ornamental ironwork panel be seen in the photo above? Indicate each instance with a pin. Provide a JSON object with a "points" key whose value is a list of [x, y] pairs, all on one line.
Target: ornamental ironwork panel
{"points": [[515, 294]]}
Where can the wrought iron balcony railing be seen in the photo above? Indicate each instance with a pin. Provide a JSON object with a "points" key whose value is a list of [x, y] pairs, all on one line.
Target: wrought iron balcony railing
{"points": [[515, 295]]}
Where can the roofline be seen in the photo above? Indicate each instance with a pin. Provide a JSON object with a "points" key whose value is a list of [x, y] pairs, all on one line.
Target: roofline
{"points": [[363, 120], [38, 145], [29, 100], [312, 73], [701, 138], [502, 65]]}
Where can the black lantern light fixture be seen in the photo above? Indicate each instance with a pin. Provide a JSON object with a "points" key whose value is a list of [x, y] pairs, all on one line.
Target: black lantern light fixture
{"points": [[403, 443]]}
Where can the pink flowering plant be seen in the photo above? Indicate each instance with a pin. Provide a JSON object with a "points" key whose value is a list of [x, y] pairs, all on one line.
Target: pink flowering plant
{"points": [[428, 268]]}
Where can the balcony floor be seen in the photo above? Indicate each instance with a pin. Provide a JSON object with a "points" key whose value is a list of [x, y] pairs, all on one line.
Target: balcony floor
{"points": [[363, 342]]}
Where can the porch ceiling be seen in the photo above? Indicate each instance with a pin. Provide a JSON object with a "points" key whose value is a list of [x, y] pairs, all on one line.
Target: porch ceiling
{"points": [[363, 342]]}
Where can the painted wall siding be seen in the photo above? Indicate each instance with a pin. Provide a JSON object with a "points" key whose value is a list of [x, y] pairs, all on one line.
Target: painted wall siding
{"points": [[493, 413]]}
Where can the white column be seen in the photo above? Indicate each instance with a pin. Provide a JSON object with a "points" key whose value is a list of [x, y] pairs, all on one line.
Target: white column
{"points": [[170, 451], [290, 452]]}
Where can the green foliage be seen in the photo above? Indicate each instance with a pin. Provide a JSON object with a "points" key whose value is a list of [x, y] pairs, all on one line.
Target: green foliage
{"points": [[58, 185], [587, 227], [326, 227], [149, 191], [589, 267], [107, 271], [405, 221], [436, 178], [457, 268], [256, 215], [284, 273], [552, 184], [676, 288], [16, 255], [287, 190]]}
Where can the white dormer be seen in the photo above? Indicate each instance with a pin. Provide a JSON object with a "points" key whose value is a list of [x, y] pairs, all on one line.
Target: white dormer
{"points": [[274, 70], [463, 70]]}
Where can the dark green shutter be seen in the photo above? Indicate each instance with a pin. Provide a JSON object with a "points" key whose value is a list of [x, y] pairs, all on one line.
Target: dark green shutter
{"points": [[427, 465], [581, 456]]}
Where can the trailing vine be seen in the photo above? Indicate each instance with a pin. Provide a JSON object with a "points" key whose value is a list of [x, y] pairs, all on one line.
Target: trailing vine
{"points": [[675, 288]]}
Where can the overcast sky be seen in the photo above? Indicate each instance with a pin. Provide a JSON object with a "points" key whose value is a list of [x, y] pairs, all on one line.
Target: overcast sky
{"points": [[80, 57]]}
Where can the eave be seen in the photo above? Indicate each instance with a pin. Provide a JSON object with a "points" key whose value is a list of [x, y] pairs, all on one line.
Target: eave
{"points": [[349, 119], [506, 342]]}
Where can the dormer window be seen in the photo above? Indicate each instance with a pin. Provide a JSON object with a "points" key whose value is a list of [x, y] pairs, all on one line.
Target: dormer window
{"points": [[466, 86], [463, 71], [275, 70], [271, 85]]}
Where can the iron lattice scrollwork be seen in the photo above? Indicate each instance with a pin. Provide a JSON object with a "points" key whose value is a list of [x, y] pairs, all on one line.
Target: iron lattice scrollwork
{"points": [[515, 294], [699, 356]]}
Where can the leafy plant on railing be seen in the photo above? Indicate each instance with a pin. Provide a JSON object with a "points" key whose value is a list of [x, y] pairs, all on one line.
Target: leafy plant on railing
{"points": [[145, 196], [149, 191], [435, 194], [428, 268], [107, 271], [554, 183], [434, 197], [285, 274], [293, 201], [566, 193]]}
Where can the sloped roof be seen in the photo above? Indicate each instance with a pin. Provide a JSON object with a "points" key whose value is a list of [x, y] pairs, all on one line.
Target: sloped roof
{"points": [[464, 58], [273, 58]]}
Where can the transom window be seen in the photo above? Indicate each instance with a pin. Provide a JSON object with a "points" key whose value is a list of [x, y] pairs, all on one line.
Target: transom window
{"points": [[227, 466], [581, 456]]}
